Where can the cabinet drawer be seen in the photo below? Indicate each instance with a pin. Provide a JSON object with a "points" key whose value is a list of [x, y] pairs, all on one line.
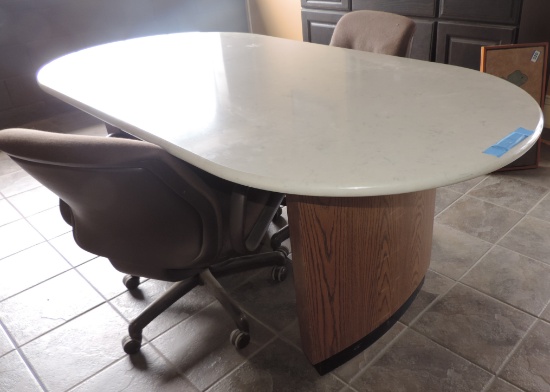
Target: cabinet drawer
{"points": [[460, 43], [318, 26], [497, 11], [424, 8], [343, 5]]}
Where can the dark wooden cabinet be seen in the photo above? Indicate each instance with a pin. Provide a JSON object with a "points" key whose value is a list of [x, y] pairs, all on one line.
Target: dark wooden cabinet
{"points": [[447, 31]]}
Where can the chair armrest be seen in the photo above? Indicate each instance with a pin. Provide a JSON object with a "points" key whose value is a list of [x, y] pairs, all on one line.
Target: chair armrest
{"points": [[113, 131]]}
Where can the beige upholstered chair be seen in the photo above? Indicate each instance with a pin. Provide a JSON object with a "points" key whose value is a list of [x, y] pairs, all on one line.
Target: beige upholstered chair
{"points": [[374, 31], [152, 215]]}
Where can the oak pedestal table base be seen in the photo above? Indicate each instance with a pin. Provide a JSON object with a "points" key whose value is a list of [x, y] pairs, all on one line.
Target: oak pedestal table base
{"points": [[358, 264]]}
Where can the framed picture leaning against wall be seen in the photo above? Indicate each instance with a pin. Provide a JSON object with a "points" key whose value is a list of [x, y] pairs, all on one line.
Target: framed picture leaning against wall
{"points": [[524, 65]]}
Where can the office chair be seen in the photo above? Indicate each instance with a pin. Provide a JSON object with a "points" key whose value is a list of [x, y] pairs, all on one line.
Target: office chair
{"points": [[152, 215], [374, 31]]}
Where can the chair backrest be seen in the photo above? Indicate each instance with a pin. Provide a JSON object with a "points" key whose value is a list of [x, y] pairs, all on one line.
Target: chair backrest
{"points": [[374, 31], [150, 213]]}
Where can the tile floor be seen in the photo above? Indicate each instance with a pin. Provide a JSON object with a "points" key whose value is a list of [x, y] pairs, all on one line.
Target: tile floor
{"points": [[480, 323]]}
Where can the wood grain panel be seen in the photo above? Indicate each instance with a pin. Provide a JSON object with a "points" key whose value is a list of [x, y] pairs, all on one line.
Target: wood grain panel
{"points": [[460, 43], [356, 261], [496, 11], [421, 48]]}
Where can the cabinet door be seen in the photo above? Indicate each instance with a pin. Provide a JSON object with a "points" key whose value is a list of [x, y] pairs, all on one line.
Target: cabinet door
{"points": [[318, 26], [421, 48], [460, 43], [341, 5]]}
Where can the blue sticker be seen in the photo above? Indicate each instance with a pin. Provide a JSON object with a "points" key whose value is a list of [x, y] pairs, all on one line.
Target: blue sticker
{"points": [[504, 145]]}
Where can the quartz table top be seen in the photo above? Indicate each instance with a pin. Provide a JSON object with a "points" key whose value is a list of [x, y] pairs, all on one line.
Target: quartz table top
{"points": [[299, 118]]}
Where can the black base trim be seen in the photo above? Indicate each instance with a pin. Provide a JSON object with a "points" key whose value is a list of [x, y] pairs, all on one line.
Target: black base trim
{"points": [[345, 355]]}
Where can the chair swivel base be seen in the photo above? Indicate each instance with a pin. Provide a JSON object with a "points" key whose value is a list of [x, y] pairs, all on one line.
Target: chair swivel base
{"points": [[239, 337]]}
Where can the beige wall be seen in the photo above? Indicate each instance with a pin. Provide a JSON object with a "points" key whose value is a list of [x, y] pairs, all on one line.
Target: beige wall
{"points": [[278, 18]]}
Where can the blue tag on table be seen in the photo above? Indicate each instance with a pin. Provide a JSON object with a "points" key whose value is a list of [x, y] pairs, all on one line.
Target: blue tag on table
{"points": [[504, 145]]}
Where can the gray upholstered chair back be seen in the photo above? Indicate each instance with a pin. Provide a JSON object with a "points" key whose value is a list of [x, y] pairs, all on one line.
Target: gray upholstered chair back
{"points": [[374, 31], [150, 213]]}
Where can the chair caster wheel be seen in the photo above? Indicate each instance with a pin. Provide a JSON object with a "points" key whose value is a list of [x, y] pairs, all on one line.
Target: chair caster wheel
{"points": [[239, 339], [279, 273], [131, 282], [131, 346]]}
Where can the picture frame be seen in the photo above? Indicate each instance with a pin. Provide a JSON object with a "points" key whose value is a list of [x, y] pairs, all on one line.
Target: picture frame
{"points": [[524, 65]]}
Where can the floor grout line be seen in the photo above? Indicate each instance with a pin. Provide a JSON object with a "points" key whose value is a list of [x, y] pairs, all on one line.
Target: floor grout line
{"points": [[23, 357], [515, 349]]}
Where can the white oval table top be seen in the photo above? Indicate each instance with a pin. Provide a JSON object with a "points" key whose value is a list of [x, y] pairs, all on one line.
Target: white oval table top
{"points": [[296, 117]]}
